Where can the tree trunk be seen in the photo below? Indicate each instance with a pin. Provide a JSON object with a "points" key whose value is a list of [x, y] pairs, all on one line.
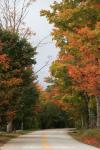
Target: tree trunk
{"points": [[92, 117], [9, 126], [86, 110], [82, 122], [98, 111], [22, 124]]}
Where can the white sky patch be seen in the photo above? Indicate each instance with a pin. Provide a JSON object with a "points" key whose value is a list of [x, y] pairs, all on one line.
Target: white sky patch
{"points": [[42, 28]]}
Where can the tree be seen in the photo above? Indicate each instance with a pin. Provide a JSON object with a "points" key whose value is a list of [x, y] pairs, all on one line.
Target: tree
{"points": [[52, 115], [77, 33], [12, 16], [16, 75], [63, 91]]}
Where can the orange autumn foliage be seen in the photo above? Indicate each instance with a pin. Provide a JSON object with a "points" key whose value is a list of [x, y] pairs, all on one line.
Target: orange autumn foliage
{"points": [[11, 82], [86, 68], [91, 141], [4, 61]]}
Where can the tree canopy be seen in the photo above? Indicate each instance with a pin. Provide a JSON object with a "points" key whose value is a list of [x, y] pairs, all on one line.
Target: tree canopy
{"points": [[77, 34]]}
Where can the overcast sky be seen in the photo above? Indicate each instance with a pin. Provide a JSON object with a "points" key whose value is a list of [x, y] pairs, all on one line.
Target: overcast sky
{"points": [[42, 28]]}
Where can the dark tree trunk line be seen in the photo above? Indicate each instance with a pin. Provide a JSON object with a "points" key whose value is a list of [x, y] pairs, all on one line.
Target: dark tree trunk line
{"points": [[86, 110], [9, 126], [98, 111]]}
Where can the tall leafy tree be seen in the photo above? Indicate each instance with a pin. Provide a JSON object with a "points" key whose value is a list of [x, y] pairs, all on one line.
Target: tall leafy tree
{"points": [[17, 87], [77, 33]]}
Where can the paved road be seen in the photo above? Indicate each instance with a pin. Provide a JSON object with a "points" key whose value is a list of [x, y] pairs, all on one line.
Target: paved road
{"points": [[57, 139]]}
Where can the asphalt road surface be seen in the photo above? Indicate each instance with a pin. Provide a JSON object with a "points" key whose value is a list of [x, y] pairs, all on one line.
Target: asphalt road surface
{"points": [[56, 139]]}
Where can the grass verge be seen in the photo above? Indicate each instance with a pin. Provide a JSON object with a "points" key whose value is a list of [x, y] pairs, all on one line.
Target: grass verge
{"points": [[89, 136], [5, 137]]}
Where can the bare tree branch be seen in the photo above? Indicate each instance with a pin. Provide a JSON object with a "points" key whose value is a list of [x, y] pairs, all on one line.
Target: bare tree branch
{"points": [[46, 64], [41, 42], [12, 15]]}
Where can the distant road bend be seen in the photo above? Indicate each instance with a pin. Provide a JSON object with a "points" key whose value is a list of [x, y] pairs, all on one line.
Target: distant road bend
{"points": [[56, 139]]}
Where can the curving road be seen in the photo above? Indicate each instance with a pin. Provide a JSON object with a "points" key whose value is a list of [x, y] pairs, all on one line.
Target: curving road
{"points": [[57, 139]]}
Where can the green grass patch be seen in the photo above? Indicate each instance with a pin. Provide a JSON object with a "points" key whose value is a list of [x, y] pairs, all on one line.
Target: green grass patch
{"points": [[89, 136]]}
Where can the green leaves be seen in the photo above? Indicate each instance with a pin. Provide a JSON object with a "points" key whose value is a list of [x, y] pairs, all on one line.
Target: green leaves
{"points": [[17, 79]]}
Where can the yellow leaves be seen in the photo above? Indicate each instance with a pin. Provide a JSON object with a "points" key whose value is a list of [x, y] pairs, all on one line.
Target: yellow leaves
{"points": [[58, 64], [66, 13], [68, 47]]}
